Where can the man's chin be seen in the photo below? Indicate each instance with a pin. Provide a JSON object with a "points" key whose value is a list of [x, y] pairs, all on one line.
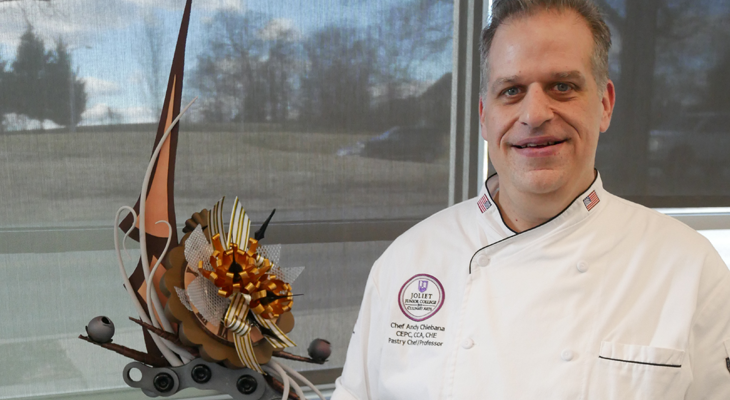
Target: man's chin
{"points": [[542, 181]]}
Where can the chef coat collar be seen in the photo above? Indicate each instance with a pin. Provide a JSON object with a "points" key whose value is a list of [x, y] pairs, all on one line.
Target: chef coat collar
{"points": [[491, 218], [585, 204]]}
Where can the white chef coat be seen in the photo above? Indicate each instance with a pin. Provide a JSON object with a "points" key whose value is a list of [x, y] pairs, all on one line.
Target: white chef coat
{"points": [[608, 300]]}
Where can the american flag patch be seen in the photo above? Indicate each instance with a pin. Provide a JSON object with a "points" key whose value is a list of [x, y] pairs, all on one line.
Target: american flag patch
{"points": [[484, 203], [591, 200]]}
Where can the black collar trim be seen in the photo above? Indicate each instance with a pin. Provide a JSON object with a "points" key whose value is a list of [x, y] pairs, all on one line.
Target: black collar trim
{"points": [[534, 227]]}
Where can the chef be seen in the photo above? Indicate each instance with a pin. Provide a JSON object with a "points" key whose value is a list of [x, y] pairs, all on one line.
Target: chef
{"points": [[544, 286]]}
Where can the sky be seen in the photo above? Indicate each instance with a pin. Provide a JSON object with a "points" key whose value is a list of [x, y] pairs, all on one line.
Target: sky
{"points": [[104, 38]]}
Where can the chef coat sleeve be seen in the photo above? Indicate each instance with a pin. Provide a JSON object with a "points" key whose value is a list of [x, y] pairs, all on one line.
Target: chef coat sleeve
{"points": [[710, 345], [360, 373]]}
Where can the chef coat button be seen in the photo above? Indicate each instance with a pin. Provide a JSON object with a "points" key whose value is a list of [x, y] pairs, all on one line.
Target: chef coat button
{"points": [[467, 343], [482, 260], [566, 355], [582, 266]]}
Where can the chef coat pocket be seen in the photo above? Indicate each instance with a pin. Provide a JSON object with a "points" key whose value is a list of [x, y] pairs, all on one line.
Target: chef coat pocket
{"points": [[633, 372]]}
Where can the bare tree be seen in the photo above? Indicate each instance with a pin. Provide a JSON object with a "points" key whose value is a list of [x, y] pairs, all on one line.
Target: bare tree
{"points": [[414, 32], [248, 76], [336, 84], [650, 34]]}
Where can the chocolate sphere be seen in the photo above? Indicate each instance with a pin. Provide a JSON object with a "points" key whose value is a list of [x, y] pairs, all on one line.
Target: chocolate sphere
{"points": [[100, 329], [319, 349]]}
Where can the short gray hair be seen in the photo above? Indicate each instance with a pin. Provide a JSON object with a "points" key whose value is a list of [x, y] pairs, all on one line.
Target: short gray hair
{"points": [[503, 10]]}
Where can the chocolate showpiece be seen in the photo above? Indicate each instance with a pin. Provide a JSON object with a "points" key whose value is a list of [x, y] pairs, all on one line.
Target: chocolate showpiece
{"points": [[219, 308]]}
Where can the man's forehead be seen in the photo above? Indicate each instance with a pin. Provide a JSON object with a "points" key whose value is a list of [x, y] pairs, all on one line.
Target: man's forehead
{"points": [[552, 44]]}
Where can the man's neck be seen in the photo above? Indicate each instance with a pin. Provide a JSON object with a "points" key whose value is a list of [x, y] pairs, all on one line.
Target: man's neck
{"points": [[528, 210]]}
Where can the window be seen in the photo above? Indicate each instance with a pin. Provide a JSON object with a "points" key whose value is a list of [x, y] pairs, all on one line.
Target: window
{"points": [[300, 108], [294, 102], [668, 140]]}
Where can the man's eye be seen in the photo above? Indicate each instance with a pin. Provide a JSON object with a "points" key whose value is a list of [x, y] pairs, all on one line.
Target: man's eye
{"points": [[513, 91], [562, 87]]}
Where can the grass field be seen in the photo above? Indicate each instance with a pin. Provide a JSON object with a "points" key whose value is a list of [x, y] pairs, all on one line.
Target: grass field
{"points": [[65, 179]]}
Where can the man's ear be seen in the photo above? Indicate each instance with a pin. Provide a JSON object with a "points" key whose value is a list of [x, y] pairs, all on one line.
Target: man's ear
{"points": [[607, 101], [482, 118]]}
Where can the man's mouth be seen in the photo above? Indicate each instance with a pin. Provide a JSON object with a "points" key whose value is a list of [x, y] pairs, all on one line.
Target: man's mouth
{"points": [[534, 145]]}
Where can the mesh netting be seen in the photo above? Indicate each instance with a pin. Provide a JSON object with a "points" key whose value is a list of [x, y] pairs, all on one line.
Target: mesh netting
{"points": [[198, 249], [183, 298], [271, 251], [288, 275], [204, 296]]}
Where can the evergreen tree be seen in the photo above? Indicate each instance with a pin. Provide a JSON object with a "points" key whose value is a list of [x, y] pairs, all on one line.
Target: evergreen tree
{"points": [[28, 78], [66, 93], [42, 85]]}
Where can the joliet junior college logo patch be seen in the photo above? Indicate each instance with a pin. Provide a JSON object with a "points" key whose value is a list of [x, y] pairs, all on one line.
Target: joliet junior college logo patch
{"points": [[421, 297]]}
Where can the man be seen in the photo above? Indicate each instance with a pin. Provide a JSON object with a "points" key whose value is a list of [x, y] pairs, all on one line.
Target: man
{"points": [[545, 286]]}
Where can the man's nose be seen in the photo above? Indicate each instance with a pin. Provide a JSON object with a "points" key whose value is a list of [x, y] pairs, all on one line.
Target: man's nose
{"points": [[536, 108]]}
